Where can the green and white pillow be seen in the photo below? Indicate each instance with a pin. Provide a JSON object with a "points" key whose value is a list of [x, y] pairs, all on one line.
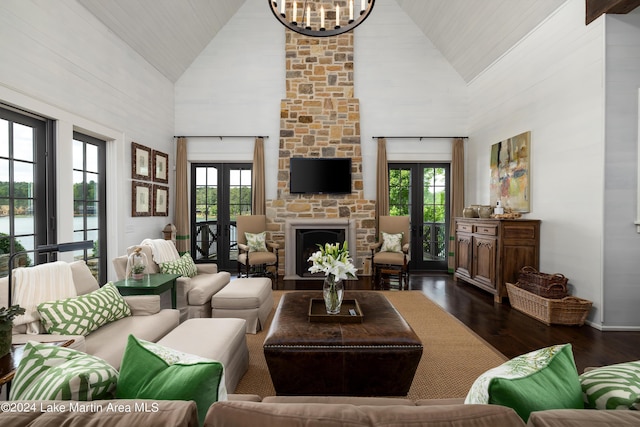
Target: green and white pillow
{"points": [[537, 381], [152, 371], [391, 242], [612, 387], [84, 314], [257, 241], [183, 266], [51, 372]]}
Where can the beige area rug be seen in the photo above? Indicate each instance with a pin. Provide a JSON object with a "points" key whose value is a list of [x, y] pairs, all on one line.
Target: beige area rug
{"points": [[453, 356]]}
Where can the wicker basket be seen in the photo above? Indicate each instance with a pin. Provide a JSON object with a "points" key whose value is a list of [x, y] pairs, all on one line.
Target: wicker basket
{"points": [[542, 284], [566, 311]]}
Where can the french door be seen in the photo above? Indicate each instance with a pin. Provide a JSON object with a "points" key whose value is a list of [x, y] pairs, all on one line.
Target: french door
{"points": [[421, 190], [219, 193]]}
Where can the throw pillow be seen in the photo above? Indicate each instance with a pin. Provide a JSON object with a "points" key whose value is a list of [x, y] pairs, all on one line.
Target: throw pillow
{"points": [[256, 242], [152, 371], [51, 372], [183, 266], [612, 387], [391, 242], [84, 314], [537, 381]]}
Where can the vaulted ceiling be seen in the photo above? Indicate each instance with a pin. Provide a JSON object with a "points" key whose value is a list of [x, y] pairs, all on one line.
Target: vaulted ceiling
{"points": [[471, 34]]}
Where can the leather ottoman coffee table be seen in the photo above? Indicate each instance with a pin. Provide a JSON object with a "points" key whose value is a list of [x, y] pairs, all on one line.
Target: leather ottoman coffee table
{"points": [[377, 357]]}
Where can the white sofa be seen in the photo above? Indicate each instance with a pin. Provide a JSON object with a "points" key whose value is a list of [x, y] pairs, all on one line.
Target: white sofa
{"points": [[108, 342], [193, 294]]}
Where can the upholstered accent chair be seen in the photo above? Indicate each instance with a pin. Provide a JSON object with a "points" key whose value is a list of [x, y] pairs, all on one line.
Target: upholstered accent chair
{"points": [[255, 252], [392, 249]]}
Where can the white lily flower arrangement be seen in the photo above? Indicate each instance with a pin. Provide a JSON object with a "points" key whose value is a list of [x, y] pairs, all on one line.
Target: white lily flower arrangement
{"points": [[334, 260]]}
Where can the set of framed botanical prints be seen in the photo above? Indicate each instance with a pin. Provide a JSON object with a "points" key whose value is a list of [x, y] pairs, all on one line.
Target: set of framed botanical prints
{"points": [[148, 172]]}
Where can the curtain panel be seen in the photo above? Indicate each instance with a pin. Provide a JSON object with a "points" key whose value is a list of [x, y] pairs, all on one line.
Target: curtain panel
{"points": [[258, 205], [382, 183], [457, 197], [183, 237]]}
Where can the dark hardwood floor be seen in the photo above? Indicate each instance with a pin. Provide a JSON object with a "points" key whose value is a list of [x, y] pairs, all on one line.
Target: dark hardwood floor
{"points": [[509, 331]]}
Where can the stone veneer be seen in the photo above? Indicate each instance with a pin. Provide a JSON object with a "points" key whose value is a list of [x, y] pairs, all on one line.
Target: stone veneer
{"points": [[321, 118]]}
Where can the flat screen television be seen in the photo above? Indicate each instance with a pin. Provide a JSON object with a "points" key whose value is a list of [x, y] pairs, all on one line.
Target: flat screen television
{"points": [[320, 175]]}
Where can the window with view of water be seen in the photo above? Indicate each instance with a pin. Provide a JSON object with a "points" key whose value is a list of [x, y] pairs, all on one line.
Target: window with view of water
{"points": [[89, 195], [23, 180]]}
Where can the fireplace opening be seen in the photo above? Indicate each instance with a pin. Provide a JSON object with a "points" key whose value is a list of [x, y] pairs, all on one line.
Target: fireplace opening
{"points": [[307, 241]]}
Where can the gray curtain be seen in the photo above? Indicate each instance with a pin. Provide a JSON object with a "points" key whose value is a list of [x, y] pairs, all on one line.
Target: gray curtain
{"points": [[382, 182], [457, 196], [183, 237], [258, 205]]}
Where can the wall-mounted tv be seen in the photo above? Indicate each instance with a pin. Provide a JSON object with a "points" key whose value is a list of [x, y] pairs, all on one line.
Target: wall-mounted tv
{"points": [[320, 175]]}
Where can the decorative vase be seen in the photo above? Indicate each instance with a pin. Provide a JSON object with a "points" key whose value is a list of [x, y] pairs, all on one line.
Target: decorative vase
{"points": [[332, 290], [5, 337], [137, 264]]}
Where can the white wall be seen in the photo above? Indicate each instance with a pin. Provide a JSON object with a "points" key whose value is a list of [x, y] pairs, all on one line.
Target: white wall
{"points": [[622, 242], [551, 84], [404, 84], [60, 62]]}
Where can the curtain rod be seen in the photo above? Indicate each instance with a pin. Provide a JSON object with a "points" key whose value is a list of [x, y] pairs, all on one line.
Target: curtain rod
{"points": [[420, 137], [220, 136]]}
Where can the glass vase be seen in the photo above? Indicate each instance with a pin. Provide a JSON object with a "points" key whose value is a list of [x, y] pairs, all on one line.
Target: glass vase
{"points": [[333, 290], [136, 264]]}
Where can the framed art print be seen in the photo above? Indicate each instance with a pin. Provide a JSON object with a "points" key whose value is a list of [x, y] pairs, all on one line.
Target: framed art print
{"points": [[160, 200], [160, 163], [141, 199], [141, 162]]}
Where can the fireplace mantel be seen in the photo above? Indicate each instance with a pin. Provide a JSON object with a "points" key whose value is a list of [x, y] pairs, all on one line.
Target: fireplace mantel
{"points": [[292, 225]]}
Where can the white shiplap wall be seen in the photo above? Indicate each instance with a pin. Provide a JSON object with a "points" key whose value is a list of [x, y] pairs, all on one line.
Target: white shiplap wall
{"points": [[404, 84], [622, 242], [551, 84], [60, 62]]}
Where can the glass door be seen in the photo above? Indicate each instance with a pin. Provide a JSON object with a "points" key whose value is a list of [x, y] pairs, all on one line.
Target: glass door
{"points": [[219, 193], [421, 190]]}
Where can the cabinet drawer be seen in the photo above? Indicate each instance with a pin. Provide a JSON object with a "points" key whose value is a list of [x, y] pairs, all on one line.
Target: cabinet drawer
{"points": [[489, 230], [464, 227]]}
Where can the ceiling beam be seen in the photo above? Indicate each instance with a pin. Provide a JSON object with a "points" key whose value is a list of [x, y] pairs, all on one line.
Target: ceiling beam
{"points": [[595, 8]]}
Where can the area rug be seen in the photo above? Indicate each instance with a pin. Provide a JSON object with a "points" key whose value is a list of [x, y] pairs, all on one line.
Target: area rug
{"points": [[453, 356]]}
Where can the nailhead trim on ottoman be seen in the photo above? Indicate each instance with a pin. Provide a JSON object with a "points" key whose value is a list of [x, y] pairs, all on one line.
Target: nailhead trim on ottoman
{"points": [[245, 298]]}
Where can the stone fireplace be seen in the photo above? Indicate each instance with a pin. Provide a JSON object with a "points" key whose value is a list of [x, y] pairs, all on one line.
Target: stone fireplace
{"points": [[314, 229], [320, 118]]}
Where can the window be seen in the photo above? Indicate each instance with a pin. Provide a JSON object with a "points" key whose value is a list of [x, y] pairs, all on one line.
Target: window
{"points": [[89, 196], [24, 179]]}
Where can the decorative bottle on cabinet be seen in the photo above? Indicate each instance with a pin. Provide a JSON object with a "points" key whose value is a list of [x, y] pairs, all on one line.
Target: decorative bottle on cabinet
{"points": [[490, 252]]}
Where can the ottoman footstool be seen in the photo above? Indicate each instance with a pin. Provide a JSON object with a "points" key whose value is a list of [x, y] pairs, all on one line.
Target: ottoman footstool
{"points": [[223, 340], [245, 298]]}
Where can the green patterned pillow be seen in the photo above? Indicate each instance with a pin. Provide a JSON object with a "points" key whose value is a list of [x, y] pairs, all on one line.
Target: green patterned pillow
{"points": [[152, 371], [257, 242], [183, 266], [612, 387], [51, 372], [537, 381], [391, 242], [84, 314]]}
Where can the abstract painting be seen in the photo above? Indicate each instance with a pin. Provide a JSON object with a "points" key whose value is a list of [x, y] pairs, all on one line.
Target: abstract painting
{"points": [[510, 173]]}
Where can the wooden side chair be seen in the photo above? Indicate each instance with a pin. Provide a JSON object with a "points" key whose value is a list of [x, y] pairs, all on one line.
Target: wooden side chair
{"points": [[254, 250], [391, 252]]}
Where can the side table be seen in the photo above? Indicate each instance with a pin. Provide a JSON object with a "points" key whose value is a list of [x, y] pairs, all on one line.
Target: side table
{"points": [[151, 284]]}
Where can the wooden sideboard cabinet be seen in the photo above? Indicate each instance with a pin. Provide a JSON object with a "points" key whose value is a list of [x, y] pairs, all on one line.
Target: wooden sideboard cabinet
{"points": [[490, 252]]}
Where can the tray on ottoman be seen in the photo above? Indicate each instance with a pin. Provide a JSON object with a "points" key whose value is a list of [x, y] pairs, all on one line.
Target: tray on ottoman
{"points": [[318, 312]]}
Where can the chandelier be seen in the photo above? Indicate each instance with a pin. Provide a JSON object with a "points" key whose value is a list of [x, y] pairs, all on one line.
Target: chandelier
{"points": [[311, 18]]}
